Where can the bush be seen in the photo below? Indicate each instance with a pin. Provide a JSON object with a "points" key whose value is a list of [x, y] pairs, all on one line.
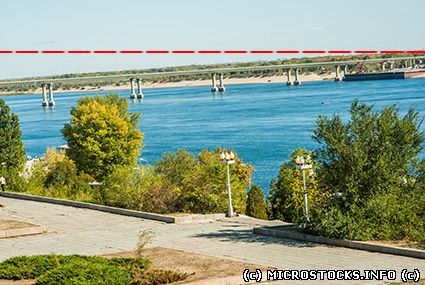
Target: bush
{"points": [[86, 273], [205, 189], [77, 269], [55, 175], [286, 194], [372, 175], [255, 205], [140, 189]]}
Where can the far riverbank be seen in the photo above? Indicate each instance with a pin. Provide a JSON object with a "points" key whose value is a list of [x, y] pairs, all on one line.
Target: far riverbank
{"points": [[307, 77]]}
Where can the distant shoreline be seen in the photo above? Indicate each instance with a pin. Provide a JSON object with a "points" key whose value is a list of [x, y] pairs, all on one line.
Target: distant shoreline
{"points": [[186, 83]]}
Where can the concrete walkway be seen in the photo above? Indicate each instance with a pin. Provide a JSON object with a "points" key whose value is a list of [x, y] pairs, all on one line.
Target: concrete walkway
{"points": [[82, 231]]}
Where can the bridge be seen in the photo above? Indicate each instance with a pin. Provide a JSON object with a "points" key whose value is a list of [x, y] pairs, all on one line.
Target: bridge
{"points": [[136, 78]]}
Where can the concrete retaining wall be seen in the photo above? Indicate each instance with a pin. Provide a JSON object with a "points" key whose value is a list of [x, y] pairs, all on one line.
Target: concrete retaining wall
{"points": [[119, 211], [114, 210], [291, 234]]}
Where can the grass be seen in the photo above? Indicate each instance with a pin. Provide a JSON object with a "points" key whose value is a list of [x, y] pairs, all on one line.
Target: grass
{"points": [[78, 269]]}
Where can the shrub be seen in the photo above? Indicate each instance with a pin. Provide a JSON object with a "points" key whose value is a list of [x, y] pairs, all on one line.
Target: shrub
{"points": [[196, 185], [56, 175], [85, 273], [73, 269], [205, 189], [286, 194], [370, 169], [23, 267], [140, 189], [255, 205]]}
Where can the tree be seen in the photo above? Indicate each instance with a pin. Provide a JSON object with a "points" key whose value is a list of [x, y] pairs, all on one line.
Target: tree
{"points": [[140, 189], [205, 189], [286, 194], [102, 135], [176, 166], [12, 151], [371, 170], [255, 205]]}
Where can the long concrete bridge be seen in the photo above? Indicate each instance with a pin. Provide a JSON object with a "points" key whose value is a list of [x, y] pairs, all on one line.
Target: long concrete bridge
{"points": [[341, 68]]}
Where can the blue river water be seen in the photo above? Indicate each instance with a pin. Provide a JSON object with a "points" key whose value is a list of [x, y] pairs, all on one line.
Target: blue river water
{"points": [[263, 122]]}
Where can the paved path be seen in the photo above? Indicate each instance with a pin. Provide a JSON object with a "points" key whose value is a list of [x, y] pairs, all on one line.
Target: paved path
{"points": [[82, 231]]}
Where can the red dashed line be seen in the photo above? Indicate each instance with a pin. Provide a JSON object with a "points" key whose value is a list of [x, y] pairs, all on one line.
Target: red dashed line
{"points": [[208, 51], [313, 51], [340, 51], [79, 51], [157, 51], [288, 51], [235, 51], [131, 51], [26, 51], [366, 51], [52, 51], [261, 51], [416, 52], [392, 51], [104, 51], [213, 51], [183, 51]]}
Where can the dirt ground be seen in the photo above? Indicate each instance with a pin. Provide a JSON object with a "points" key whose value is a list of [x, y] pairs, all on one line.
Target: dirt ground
{"points": [[197, 266], [12, 224]]}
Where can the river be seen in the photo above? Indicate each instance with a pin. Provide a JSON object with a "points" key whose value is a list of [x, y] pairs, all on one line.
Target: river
{"points": [[263, 123]]}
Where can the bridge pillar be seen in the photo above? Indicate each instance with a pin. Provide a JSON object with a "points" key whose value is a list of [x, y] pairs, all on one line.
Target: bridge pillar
{"points": [[345, 72], [297, 77], [221, 88], [213, 83], [132, 93], [51, 100], [44, 94], [289, 78], [391, 65], [383, 66], [139, 89], [337, 73]]}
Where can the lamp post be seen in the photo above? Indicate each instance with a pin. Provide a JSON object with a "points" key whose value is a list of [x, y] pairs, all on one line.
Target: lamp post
{"points": [[304, 164], [228, 158]]}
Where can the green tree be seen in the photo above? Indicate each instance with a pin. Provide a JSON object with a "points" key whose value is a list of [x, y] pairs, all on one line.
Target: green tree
{"points": [[56, 175], [286, 194], [140, 189], [12, 151], [255, 205], [102, 135], [205, 189], [369, 169], [176, 166]]}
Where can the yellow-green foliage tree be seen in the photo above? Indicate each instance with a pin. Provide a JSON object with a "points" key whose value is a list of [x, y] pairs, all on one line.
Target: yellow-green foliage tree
{"points": [[56, 175], [205, 186], [286, 195], [102, 135]]}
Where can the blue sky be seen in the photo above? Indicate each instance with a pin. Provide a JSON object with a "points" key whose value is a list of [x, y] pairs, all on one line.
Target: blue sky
{"points": [[195, 24]]}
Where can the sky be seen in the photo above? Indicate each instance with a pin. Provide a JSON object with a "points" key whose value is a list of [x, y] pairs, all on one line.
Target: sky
{"points": [[195, 25]]}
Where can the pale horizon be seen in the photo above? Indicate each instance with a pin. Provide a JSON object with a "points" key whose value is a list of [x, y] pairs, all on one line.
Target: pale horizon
{"points": [[194, 25]]}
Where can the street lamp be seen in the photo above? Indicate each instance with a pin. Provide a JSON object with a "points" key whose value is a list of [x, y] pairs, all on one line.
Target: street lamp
{"points": [[228, 158], [304, 164]]}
